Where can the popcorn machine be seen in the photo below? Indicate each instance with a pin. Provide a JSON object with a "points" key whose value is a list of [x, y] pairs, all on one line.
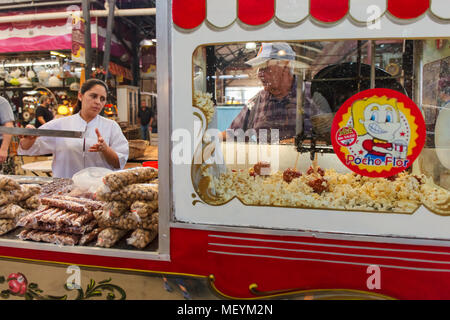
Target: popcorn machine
{"points": [[297, 218]]}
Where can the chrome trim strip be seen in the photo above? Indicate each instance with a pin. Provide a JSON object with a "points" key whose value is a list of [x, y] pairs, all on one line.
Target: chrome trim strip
{"points": [[329, 253], [16, 131], [329, 261], [97, 251], [164, 67], [313, 234], [329, 245]]}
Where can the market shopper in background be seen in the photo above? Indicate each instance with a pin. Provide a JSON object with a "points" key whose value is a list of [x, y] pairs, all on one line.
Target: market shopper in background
{"points": [[102, 145], [7, 120], [43, 112], [144, 115], [154, 120], [275, 106]]}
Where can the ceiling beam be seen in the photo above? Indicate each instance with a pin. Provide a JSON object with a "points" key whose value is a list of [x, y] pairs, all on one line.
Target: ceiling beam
{"points": [[67, 14], [33, 4]]}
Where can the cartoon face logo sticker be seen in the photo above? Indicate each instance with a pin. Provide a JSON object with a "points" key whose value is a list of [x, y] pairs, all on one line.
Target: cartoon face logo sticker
{"points": [[381, 120], [386, 130], [377, 122]]}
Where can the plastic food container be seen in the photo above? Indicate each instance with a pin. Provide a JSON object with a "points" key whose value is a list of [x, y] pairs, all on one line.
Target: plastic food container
{"points": [[152, 163]]}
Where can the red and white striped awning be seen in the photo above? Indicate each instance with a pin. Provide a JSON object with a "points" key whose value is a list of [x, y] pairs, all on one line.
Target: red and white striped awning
{"points": [[189, 14]]}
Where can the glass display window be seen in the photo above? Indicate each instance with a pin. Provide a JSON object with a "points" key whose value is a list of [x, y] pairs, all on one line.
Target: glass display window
{"points": [[277, 151]]}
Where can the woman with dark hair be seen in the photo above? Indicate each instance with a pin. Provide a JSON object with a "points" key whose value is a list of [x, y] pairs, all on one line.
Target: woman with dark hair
{"points": [[103, 143]]}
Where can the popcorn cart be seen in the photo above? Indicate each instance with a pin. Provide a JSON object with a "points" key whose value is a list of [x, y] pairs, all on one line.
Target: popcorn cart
{"points": [[354, 204]]}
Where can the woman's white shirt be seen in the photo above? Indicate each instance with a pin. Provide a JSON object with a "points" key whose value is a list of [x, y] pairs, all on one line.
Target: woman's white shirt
{"points": [[71, 155]]}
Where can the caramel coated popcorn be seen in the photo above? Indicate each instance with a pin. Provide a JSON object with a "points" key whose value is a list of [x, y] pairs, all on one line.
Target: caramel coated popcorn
{"points": [[332, 190]]}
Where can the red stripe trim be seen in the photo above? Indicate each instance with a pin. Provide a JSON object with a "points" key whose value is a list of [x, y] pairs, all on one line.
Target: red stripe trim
{"points": [[408, 9], [351, 249], [38, 43], [189, 255], [256, 12], [329, 11], [188, 14], [33, 24]]}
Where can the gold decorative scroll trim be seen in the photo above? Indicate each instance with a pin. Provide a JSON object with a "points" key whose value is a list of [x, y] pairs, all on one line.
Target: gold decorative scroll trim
{"points": [[319, 294], [312, 294]]}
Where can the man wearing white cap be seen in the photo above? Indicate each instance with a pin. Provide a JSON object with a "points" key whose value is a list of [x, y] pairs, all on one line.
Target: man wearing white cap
{"points": [[275, 106]]}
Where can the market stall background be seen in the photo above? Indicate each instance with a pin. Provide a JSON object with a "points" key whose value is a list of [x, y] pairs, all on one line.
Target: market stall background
{"points": [[35, 50], [35, 55]]}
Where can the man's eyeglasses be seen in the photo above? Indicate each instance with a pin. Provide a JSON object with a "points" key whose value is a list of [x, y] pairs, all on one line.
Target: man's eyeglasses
{"points": [[271, 70]]}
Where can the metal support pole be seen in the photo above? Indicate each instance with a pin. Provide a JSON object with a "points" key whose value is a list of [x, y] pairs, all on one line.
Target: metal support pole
{"points": [[135, 59], [164, 105], [372, 64], [87, 37], [408, 67], [109, 32], [418, 73], [358, 65], [211, 62]]}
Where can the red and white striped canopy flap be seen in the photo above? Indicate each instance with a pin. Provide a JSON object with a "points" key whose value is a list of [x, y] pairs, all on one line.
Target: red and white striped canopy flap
{"points": [[189, 14]]}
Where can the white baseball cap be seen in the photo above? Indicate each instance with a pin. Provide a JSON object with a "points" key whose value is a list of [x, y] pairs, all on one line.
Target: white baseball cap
{"points": [[274, 50]]}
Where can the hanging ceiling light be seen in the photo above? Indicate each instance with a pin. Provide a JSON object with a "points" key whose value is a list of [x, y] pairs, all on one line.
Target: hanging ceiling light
{"points": [[146, 42], [58, 54]]}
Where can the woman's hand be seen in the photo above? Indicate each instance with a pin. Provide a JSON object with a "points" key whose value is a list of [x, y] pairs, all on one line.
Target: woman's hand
{"points": [[109, 154], [101, 145], [3, 155], [26, 142]]}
